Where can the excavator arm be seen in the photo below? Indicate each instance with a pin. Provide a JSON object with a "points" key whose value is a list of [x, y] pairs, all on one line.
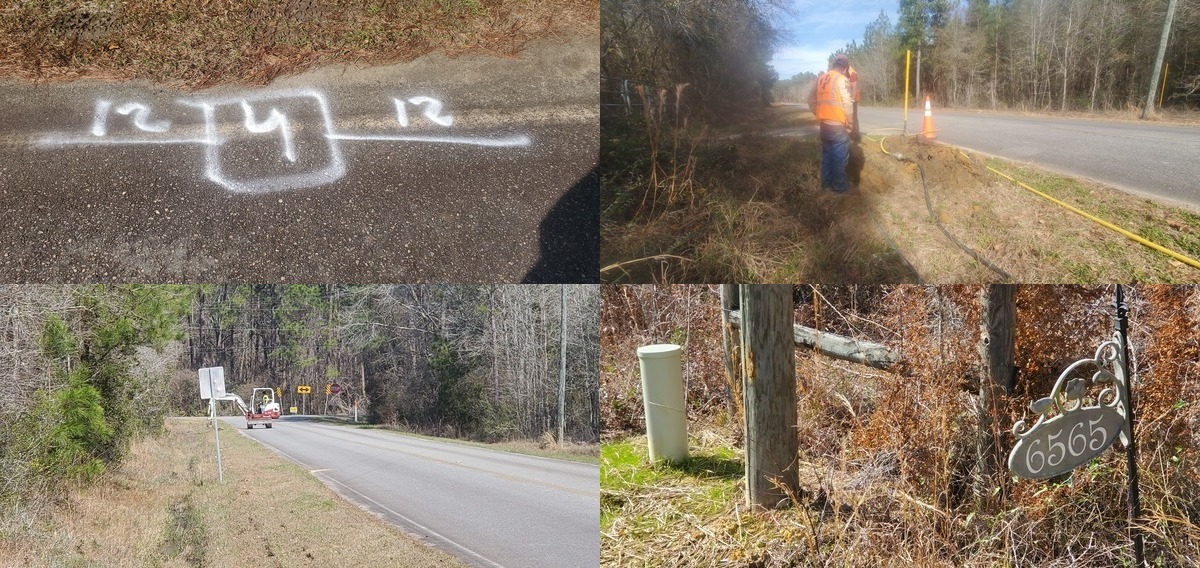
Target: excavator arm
{"points": [[237, 400]]}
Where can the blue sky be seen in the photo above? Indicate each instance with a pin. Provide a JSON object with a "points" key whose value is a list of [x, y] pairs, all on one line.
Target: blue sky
{"points": [[817, 29]]}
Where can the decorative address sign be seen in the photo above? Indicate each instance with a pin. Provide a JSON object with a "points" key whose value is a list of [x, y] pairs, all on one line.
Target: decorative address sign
{"points": [[1073, 427]]}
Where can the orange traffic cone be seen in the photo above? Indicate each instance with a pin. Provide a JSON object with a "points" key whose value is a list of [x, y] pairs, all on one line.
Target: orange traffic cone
{"points": [[927, 132]]}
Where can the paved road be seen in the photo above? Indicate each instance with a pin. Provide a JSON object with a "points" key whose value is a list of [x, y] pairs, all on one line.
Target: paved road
{"points": [[489, 508], [1154, 159], [473, 169]]}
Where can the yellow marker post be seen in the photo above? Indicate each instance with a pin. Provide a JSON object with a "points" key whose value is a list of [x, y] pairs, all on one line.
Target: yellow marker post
{"points": [[1164, 85], [907, 64]]}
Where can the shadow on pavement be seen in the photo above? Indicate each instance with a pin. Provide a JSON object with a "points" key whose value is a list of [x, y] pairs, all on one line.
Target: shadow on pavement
{"points": [[570, 237]]}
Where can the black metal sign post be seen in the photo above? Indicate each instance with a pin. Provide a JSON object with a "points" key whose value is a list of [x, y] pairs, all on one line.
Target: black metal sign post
{"points": [[1076, 423], [1135, 506]]}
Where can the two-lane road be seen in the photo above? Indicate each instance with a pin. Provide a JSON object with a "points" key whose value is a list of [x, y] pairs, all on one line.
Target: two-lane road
{"points": [[489, 508], [1139, 157], [1158, 160]]}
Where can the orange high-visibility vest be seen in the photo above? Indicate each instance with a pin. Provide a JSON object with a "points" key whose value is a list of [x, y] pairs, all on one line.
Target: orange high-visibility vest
{"points": [[829, 97]]}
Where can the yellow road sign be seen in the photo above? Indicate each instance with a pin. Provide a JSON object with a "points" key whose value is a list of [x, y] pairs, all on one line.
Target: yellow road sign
{"points": [[303, 389]]}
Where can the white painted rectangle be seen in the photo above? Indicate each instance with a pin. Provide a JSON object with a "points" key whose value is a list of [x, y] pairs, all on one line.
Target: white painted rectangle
{"points": [[217, 374]]}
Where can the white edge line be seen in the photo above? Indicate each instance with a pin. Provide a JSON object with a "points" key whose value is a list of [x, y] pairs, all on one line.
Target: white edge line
{"points": [[418, 525], [436, 534]]}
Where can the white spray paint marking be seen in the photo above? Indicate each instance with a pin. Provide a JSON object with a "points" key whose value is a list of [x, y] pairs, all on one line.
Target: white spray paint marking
{"points": [[401, 113], [325, 164], [334, 165], [139, 118], [100, 119], [432, 110], [274, 120], [508, 142]]}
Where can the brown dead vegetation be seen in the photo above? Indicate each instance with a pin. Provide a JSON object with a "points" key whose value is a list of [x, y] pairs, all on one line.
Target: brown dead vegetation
{"points": [[891, 455], [197, 43]]}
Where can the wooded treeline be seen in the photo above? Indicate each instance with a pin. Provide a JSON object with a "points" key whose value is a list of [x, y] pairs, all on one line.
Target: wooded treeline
{"points": [[1031, 54], [473, 361], [89, 368], [85, 371], [718, 48]]}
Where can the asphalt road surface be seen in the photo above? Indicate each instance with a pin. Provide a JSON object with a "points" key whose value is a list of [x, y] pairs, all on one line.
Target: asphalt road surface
{"points": [[472, 169], [1146, 158], [487, 507]]}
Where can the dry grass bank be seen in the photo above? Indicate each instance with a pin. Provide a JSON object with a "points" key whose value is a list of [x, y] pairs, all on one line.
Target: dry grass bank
{"points": [[752, 210], [196, 43], [165, 507]]}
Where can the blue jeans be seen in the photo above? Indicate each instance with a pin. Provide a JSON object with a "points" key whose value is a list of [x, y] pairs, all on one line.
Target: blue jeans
{"points": [[835, 153]]}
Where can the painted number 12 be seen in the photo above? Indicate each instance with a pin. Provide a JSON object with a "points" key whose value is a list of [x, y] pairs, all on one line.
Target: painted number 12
{"points": [[433, 109]]}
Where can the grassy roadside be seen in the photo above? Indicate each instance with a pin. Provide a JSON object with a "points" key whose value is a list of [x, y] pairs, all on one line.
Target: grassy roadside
{"points": [[164, 507], [1177, 228], [751, 209], [695, 515], [205, 42], [686, 515]]}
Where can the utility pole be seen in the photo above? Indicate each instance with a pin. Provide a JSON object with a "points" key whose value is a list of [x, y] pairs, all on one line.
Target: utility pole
{"points": [[1158, 61], [562, 366]]}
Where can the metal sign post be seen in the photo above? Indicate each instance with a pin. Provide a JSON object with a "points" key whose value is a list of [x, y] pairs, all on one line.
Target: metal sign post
{"points": [[1135, 506], [214, 377], [304, 391], [1074, 426]]}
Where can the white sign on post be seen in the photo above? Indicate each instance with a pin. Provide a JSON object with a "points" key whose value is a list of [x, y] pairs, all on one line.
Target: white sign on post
{"points": [[214, 376], [212, 380]]}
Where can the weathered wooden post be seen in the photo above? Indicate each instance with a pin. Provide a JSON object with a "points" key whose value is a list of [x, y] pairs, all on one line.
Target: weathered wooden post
{"points": [[997, 334], [769, 387]]}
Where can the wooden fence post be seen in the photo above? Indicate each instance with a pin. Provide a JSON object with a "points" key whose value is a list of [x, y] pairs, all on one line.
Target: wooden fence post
{"points": [[769, 386]]}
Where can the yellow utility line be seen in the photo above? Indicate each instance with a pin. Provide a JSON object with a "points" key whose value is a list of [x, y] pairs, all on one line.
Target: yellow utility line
{"points": [[1177, 256]]}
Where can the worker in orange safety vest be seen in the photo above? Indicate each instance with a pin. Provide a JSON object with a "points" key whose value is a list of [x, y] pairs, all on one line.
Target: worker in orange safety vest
{"points": [[832, 102]]}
